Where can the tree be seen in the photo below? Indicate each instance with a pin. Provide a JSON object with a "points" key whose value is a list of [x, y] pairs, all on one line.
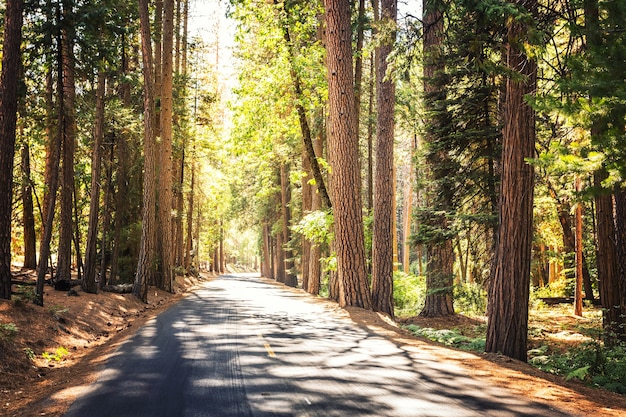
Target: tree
{"points": [[344, 159], [11, 65], [440, 253], [89, 280], [165, 177], [67, 120], [382, 241], [507, 329], [28, 217], [145, 266]]}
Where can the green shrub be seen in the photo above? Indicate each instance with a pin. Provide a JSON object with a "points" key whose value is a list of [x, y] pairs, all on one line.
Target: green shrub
{"points": [[409, 293], [591, 362], [470, 299]]}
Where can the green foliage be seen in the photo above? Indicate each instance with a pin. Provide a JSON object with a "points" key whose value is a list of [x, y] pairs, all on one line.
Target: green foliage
{"points": [[449, 338], [316, 226], [591, 362], [470, 299], [409, 293], [7, 331], [558, 288], [24, 294]]}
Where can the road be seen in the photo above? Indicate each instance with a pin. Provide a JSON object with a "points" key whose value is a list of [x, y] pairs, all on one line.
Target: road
{"points": [[241, 347]]}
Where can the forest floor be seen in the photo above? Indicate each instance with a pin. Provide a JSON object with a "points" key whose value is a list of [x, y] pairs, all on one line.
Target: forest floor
{"points": [[55, 351]]}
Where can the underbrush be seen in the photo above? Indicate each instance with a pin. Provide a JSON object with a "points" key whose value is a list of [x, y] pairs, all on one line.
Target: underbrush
{"points": [[592, 362]]}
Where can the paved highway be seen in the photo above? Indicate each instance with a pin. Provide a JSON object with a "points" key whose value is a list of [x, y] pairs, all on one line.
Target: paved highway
{"points": [[242, 347]]}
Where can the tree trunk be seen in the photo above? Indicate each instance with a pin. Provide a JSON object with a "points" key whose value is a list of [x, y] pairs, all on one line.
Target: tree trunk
{"points": [[439, 250], [606, 258], [569, 239], [190, 207], [578, 298], [290, 278], [344, 159], [382, 243], [68, 124], [315, 267], [307, 197], [106, 220], [89, 281], [145, 264], [121, 149], [165, 176], [11, 65], [53, 155], [507, 330], [28, 218], [619, 207]]}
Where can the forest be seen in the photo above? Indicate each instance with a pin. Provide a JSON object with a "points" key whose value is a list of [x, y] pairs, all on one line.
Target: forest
{"points": [[411, 159]]}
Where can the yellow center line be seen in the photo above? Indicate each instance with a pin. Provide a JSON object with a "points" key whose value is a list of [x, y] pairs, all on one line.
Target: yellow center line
{"points": [[270, 352]]}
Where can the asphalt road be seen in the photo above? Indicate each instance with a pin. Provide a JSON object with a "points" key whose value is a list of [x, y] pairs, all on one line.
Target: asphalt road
{"points": [[243, 347]]}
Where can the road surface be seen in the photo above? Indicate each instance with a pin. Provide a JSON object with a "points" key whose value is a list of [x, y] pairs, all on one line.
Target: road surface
{"points": [[242, 347]]}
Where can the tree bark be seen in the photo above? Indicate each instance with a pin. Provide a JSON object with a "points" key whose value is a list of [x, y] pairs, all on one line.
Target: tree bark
{"points": [[11, 65], [165, 176], [383, 233], [145, 265], [606, 258], [344, 159], [28, 218], [68, 123], [579, 261], [307, 196], [507, 329], [53, 155], [89, 281], [440, 252]]}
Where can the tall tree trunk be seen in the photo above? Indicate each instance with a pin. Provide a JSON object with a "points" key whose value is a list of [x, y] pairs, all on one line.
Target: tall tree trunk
{"points": [[369, 189], [606, 258], [28, 218], [619, 208], [106, 221], [382, 243], [344, 159], [122, 151], [53, 155], [440, 252], [579, 261], [68, 145], [11, 65], [89, 281], [165, 173], [507, 330], [145, 265], [190, 207]]}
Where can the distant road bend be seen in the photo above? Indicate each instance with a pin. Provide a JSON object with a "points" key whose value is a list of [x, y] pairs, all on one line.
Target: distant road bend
{"points": [[243, 347]]}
